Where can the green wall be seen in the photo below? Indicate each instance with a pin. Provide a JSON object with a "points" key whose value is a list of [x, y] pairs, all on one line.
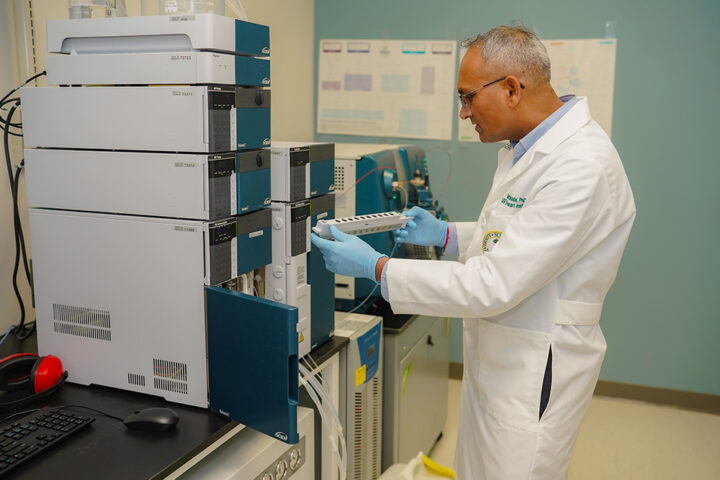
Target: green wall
{"points": [[662, 317]]}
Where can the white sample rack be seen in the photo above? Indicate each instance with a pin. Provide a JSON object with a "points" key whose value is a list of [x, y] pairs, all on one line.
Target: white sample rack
{"points": [[362, 224]]}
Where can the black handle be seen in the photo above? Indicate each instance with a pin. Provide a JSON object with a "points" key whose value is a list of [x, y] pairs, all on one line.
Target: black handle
{"points": [[429, 341]]}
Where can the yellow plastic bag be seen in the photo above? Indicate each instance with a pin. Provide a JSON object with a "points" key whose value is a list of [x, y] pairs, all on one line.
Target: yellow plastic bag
{"points": [[419, 468]]}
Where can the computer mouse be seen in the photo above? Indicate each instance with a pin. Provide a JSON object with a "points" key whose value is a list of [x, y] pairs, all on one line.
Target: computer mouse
{"points": [[157, 419]]}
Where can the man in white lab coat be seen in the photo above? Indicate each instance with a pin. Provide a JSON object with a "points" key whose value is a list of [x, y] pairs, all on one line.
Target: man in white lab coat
{"points": [[533, 270]]}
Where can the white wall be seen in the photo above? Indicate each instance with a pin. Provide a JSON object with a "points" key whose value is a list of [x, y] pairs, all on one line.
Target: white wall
{"points": [[292, 31], [291, 43]]}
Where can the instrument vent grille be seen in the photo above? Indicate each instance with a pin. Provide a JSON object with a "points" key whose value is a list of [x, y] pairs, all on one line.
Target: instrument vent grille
{"points": [[357, 447], [135, 379], [170, 376], [170, 386], [89, 317], [81, 322], [376, 427]]}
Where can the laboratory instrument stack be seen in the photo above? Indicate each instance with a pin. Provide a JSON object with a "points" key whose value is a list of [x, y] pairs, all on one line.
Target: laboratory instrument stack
{"points": [[302, 193], [149, 183]]}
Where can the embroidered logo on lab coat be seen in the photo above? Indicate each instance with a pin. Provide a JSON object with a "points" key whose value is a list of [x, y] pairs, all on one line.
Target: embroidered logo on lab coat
{"points": [[513, 202], [490, 239]]}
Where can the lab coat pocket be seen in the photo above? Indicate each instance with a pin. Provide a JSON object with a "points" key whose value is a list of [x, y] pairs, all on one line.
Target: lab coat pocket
{"points": [[510, 371]]}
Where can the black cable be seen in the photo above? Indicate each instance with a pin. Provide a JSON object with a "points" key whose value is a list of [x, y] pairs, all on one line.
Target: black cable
{"points": [[29, 330], [18, 222], [6, 145], [17, 125], [17, 254], [21, 331], [18, 414], [15, 134], [22, 85], [5, 100], [9, 100], [93, 410], [15, 287]]}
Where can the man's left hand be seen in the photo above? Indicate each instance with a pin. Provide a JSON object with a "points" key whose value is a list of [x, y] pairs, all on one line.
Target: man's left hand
{"points": [[347, 255]]}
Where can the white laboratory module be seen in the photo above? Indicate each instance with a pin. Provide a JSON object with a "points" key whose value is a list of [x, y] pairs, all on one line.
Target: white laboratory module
{"points": [[286, 278], [361, 397], [156, 50], [192, 119]]}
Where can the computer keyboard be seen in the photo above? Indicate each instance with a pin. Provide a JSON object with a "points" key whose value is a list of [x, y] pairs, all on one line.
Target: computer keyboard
{"points": [[31, 436]]}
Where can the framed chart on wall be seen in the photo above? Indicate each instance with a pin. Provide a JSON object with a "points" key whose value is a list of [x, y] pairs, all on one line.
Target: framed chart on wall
{"points": [[388, 88]]}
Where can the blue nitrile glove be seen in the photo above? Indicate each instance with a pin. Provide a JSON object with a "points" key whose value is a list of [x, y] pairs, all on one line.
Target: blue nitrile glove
{"points": [[423, 229], [347, 255]]}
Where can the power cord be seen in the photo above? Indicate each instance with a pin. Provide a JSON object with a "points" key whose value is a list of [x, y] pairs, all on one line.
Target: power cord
{"points": [[3, 121], [22, 331], [18, 414], [92, 410], [22, 85], [13, 190]]}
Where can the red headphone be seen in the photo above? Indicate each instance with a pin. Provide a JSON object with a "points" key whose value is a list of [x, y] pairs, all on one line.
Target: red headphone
{"points": [[44, 375]]}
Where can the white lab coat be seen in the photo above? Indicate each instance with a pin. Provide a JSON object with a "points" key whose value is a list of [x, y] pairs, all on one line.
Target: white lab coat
{"points": [[533, 273]]}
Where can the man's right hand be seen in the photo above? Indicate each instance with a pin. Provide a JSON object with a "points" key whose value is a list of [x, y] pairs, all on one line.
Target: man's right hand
{"points": [[424, 229]]}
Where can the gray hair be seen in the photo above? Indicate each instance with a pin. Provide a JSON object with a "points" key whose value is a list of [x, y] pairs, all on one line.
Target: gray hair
{"points": [[514, 49]]}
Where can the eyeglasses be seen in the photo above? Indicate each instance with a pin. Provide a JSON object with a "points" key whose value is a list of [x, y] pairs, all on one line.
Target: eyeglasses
{"points": [[466, 98]]}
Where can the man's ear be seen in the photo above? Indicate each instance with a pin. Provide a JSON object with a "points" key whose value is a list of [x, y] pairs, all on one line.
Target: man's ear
{"points": [[514, 90]]}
